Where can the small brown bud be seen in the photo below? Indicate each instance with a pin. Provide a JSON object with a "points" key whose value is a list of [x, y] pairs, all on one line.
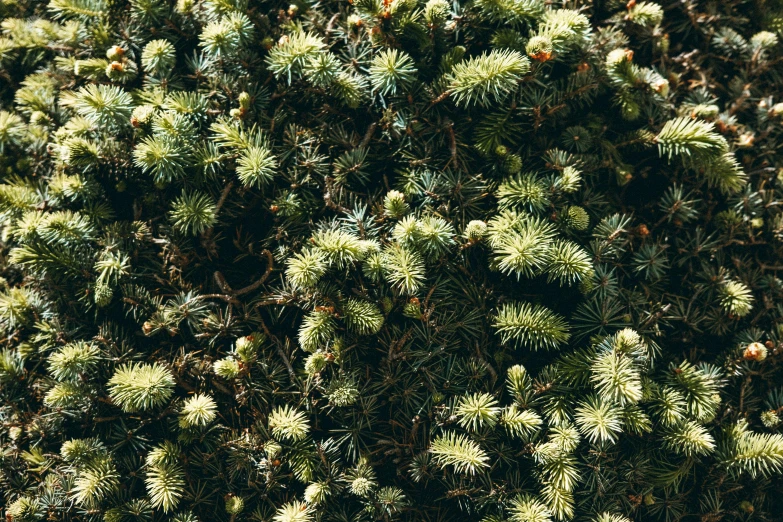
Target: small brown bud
{"points": [[542, 56]]}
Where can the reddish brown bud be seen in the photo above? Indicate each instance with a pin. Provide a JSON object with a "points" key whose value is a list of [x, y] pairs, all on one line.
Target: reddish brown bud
{"points": [[542, 56]]}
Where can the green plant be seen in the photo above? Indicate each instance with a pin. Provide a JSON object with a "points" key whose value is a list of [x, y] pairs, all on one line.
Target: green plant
{"points": [[492, 260]]}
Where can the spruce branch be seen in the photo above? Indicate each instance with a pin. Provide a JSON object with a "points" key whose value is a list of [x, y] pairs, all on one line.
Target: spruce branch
{"points": [[457, 450], [487, 79], [530, 325], [141, 386]]}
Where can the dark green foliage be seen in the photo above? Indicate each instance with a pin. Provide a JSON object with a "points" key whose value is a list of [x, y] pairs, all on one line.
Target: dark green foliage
{"points": [[488, 260]]}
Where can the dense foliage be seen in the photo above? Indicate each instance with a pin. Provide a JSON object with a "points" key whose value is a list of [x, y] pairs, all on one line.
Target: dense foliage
{"points": [[492, 260]]}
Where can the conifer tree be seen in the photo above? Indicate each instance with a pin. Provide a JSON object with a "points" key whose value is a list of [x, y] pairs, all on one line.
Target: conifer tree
{"points": [[415, 260]]}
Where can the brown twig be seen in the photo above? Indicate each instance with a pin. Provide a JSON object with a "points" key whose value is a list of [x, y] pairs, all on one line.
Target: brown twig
{"points": [[270, 265], [368, 135], [439, 99], [223, 197], [222, 283]]}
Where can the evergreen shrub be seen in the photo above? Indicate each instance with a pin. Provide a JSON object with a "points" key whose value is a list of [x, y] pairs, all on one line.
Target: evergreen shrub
{"points": [[375, 260]]}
